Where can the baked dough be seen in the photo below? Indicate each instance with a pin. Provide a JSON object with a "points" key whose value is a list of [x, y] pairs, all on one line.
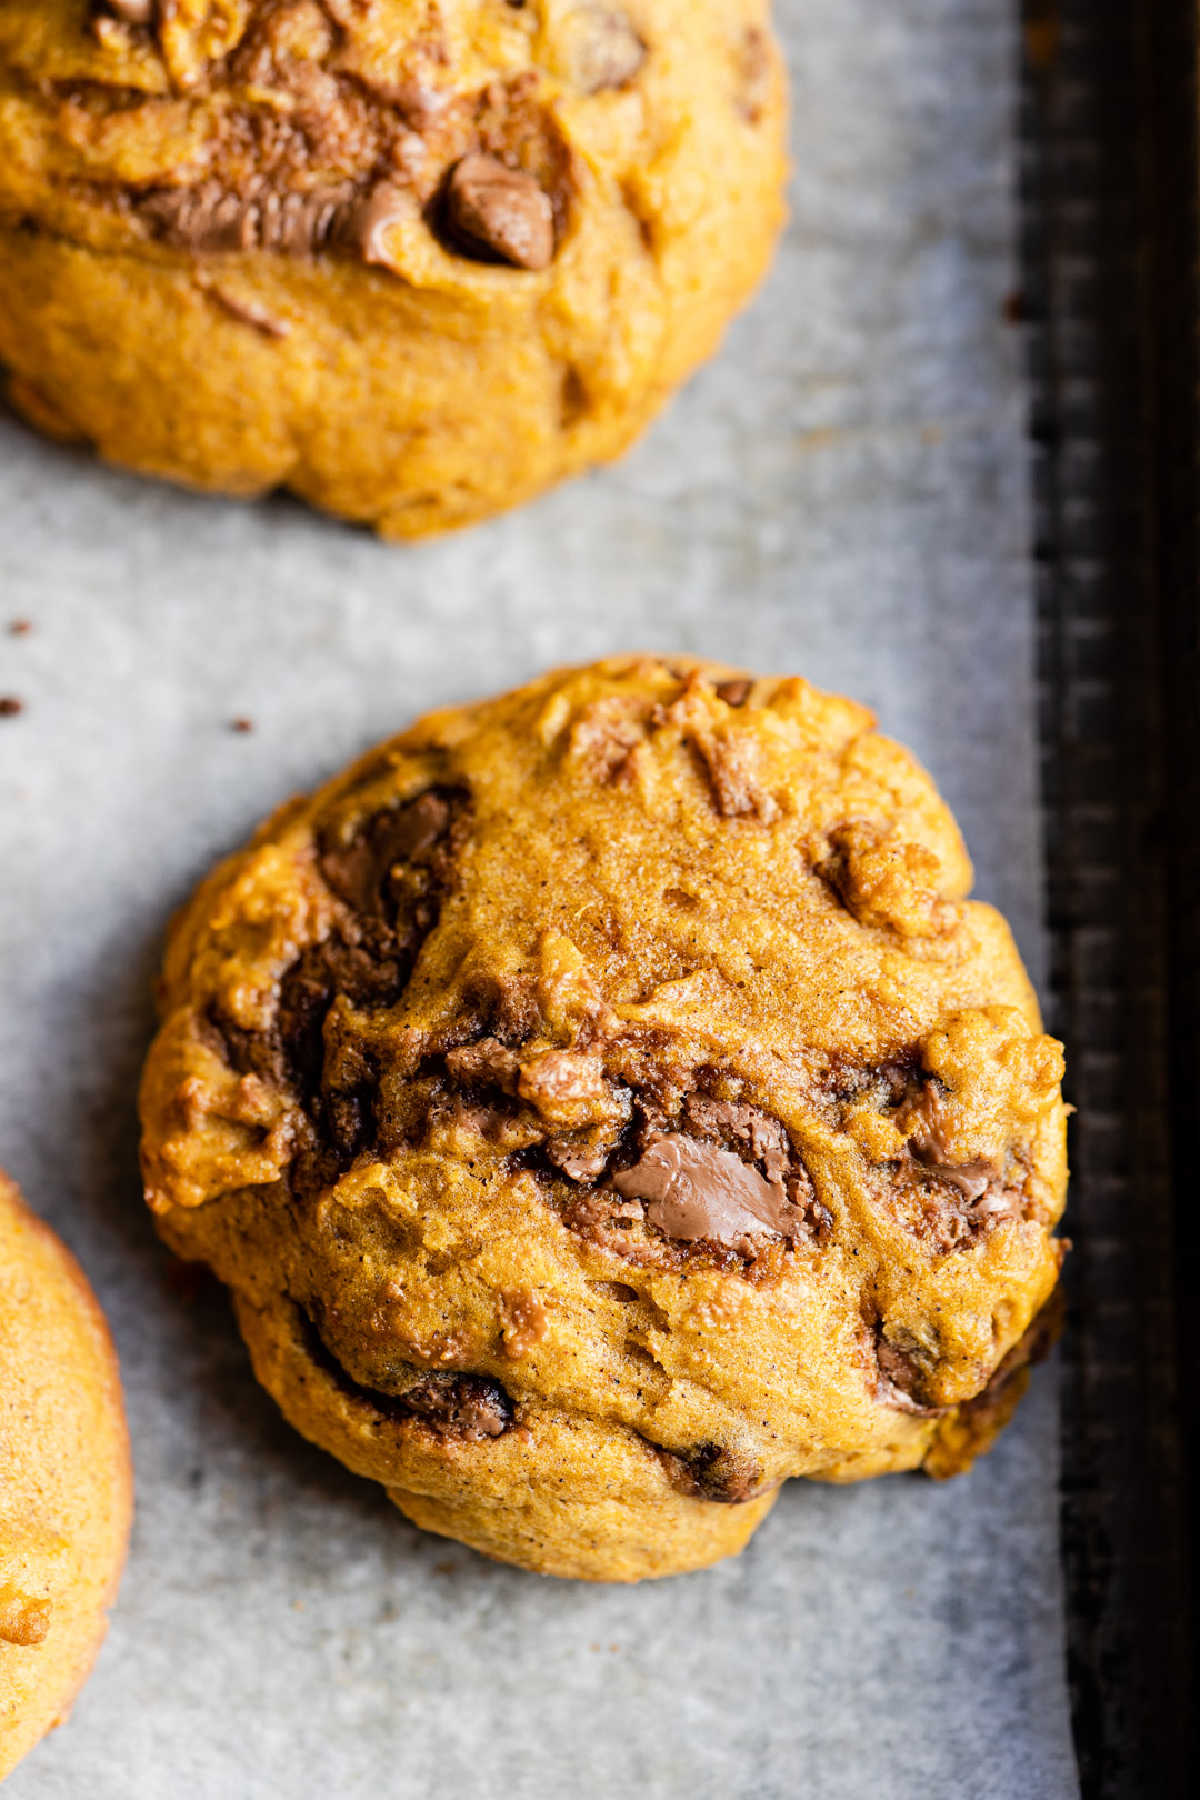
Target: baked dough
{"points": [[605, 1103], [65, 1484], [413, 259]]}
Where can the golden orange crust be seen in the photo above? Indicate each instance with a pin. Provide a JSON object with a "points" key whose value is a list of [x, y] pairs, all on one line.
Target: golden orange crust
{"points": [[606, 1104], [65, 1478], [415, 262]]}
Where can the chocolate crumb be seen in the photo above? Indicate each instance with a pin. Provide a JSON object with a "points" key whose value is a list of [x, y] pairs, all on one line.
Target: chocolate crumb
{"points": [[242, 725], [10, 706], [20, 627]]}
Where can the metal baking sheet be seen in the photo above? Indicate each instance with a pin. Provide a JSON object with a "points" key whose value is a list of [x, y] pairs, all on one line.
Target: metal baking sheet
{"points": [[1111, 209], [843, 493]]}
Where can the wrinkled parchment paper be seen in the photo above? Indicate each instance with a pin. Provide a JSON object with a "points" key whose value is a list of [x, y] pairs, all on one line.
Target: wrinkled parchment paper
{"points": [[841, 494]]}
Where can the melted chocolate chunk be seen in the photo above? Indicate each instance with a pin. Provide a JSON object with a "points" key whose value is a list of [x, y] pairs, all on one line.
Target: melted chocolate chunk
{"points": [[935, 1205], [694, 1190], [946, 1204], [454, 1405], [391, 871], [717, 1176], [499, 214], [399, 860], [209, 218], [899, 1379]]}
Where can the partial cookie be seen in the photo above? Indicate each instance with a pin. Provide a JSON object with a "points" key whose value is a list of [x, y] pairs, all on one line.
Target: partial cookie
{"points": [[415, 262], [605, 1103], [65, 1482]]}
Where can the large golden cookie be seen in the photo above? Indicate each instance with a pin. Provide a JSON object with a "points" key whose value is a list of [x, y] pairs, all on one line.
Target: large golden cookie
{"points": [[414, 259], [65, 1484], [605, 1104]]}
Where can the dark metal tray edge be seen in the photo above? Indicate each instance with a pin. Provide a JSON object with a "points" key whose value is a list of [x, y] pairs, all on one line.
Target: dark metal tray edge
{"points": [[1111, 223]]}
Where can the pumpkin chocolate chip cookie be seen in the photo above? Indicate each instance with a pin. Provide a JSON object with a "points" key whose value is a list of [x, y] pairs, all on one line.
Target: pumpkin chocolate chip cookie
{"points": [[64, 1479], [413, 260], [605, 1103]]}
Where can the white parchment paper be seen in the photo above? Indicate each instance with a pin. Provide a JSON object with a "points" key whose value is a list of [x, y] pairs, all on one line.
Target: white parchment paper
{"points": [[842, 494]]}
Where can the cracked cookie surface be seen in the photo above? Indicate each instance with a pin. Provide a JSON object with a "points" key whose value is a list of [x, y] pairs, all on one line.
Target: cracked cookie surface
{"points": [[65, 1482], [606, 1103], [413, 259]]}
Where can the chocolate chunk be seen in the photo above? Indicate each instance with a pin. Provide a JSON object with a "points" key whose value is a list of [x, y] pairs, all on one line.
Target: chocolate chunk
{"points": [[602, 48], [488, 1063], [695, 1190], [467, 1407], [886, 882], [980, 1195], [929, 1146], [735, 692], [729, 760], [945, 1203], [499, 213], [713, 1472], [604, 738], [386, 205], [10, 706], [584, 1161], [949, 1208]]}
